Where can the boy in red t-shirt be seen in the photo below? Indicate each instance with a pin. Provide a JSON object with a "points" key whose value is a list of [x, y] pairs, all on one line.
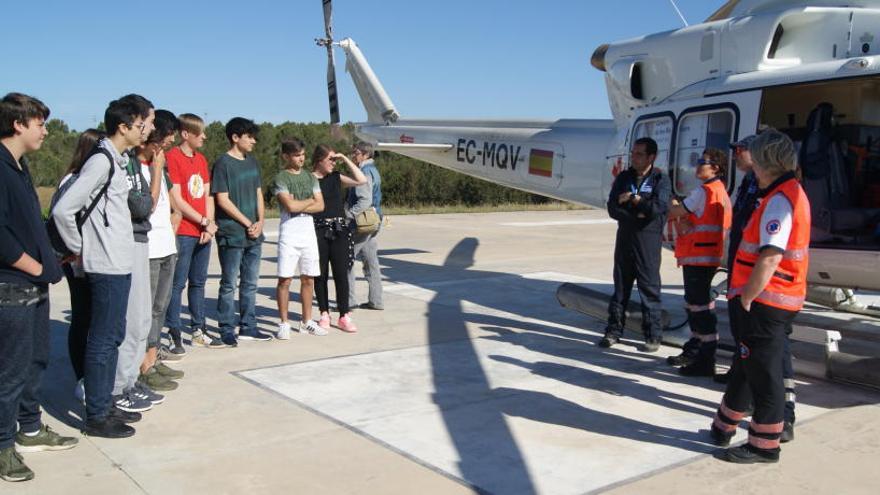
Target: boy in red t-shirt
{"points": [[191, 190]]}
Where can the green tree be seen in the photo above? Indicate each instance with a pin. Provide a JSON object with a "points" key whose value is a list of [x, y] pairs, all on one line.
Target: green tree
{"points": [[406, 182]]}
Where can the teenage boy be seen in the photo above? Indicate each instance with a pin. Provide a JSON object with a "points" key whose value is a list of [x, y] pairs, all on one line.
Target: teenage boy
{"points": [[299, 195], [162, 250], [366, 247], [105, 242], [128, 394], [191, 192], [27, 267], [239, 196]]}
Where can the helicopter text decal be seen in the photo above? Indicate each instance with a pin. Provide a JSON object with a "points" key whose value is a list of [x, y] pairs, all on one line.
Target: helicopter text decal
{"points": [[498, 155]]}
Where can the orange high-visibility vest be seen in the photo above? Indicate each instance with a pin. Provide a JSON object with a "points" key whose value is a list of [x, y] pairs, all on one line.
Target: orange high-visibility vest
{"points": [[787, 288], [703, 245]]}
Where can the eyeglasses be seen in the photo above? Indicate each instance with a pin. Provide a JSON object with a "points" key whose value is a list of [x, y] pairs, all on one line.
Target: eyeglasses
{"points": [[139, 127], [703, 161]]}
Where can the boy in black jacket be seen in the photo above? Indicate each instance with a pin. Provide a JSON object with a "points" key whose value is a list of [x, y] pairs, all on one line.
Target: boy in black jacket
{"points": [[27, 267]]}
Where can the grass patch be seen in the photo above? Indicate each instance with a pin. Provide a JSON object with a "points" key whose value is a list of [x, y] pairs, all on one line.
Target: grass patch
{"points": [[462, 208], [45, 195], [272, 212]]}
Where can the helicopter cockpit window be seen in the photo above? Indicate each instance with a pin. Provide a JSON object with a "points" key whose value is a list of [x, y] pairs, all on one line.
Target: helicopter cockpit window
{"points": [[659, 129], [696, 132]]}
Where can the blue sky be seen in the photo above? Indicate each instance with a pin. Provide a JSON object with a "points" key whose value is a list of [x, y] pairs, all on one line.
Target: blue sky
{"points": [[219, 59]]}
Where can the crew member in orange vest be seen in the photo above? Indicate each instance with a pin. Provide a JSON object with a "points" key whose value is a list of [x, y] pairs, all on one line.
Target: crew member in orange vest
{"points": [[703, 220], [768, 286]]}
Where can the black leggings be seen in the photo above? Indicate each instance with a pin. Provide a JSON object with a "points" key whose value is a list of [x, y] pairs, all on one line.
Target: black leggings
{"points": [[80, 319], [334, 253]]}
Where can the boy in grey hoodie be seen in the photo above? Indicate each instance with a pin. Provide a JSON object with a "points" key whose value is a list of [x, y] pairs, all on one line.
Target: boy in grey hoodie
{"points": [[103, 243]]}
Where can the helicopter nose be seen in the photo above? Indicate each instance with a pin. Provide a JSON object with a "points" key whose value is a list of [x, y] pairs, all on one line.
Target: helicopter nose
{"points": [[598, 58]]}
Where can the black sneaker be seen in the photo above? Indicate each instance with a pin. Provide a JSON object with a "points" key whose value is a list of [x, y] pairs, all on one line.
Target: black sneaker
{"points": [[787, 432], [123, 416], [254, 335], [109, 427], [746, 454], [719, 437], [225, 341], [176, 348], [683, 359], [609, 340], [650, 346], [700, 367], [688, 353], [722, 378], [369, 305]]}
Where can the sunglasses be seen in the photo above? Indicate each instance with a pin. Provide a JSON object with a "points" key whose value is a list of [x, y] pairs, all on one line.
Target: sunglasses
{"points": [[703, 161]]}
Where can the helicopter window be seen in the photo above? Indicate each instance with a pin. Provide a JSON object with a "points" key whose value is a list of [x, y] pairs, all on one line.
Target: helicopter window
{"points": [[696, 132], [659, 129]]}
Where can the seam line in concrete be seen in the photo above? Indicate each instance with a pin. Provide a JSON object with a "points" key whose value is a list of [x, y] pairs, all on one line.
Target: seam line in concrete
{"points": [[117, 466]]}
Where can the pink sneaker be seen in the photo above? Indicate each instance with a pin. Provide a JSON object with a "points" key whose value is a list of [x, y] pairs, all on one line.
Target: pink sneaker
{"points": [[346, 324], [324, 322]]}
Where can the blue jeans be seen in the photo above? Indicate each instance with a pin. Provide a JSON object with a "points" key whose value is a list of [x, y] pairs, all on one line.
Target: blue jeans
{"points": [[192, 265], [106, 333], [235, 262], [24, 354]]}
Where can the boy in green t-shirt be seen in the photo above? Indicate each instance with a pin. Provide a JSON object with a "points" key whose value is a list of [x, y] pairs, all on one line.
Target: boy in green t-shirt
{"points": [[299, 195], [235, 184]]}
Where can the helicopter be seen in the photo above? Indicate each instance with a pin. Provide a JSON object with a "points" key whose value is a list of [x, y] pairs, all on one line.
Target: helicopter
{"points": [[810, 69]]}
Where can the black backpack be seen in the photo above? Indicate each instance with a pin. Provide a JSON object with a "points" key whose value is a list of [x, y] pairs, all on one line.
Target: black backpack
{"points": [[58, 245]]}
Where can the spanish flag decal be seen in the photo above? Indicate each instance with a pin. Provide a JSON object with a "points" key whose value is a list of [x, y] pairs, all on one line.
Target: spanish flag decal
{"points": [[541, 163]]}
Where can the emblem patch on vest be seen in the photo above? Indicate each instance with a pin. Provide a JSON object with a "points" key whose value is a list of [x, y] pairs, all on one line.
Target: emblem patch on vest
{"points": [[773, 227], [744, 351]]}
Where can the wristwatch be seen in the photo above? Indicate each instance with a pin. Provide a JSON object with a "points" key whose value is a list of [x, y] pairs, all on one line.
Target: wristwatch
{"points": [[204, 222]]}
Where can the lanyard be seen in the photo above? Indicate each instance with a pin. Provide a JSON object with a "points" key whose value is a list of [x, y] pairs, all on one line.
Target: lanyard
{"points": [[636, 190]]}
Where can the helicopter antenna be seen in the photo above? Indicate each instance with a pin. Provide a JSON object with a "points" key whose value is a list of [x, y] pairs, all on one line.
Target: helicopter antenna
{"points": [[678, 11]]}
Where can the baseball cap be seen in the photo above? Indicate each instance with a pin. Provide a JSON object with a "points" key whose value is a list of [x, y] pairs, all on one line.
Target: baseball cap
{"points": [[744, 142]]}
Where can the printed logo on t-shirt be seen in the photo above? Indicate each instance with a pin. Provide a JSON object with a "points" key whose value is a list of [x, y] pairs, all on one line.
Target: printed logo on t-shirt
{"points": [[773, 227], [196, 186]]}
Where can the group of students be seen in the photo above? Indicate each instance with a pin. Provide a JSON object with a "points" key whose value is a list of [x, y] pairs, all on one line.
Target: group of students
{"points": [[768, 236], [130, 226]]}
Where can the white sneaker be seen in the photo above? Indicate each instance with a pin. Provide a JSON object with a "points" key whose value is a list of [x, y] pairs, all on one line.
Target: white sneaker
{"points": [[80, 391], [283, 331], [312, 327]]}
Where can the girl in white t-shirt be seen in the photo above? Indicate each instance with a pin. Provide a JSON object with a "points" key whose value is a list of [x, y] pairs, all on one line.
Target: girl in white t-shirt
{"points": [[162, 245]]}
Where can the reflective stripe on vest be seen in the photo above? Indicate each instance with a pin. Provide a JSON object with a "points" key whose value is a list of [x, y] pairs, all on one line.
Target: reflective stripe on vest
{"points": [[700, 260], [787, 288], [793, 254], [703, 244], [774, 299], [707, 228]]}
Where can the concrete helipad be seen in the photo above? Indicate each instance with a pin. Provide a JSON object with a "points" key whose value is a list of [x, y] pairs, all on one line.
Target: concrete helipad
{"points": [[472, 379]]}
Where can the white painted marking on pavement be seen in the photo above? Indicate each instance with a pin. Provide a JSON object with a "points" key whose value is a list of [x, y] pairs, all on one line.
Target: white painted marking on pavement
{"points": [[597, 221]]}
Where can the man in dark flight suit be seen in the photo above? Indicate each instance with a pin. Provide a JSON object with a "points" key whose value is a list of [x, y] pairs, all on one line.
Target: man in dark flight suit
{"points": [[639, 201]]}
